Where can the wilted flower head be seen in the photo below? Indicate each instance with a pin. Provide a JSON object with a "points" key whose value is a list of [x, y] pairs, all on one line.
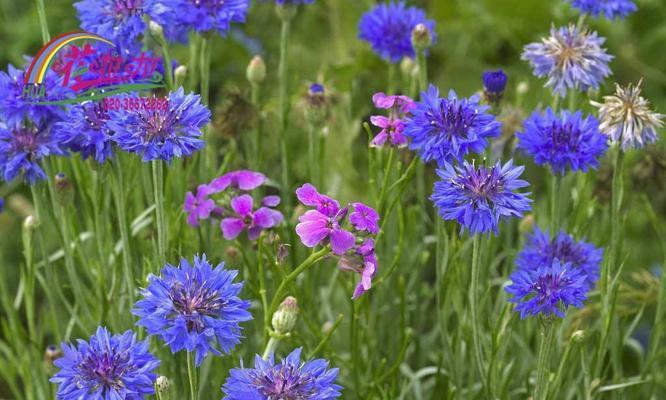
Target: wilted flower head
{"points": [[610, 8], [478, 198], [627, 118], [447, 129], [162, 133], [194, 307], [106, 368], [22, 148], [393, 126], [564, 141], [85, 131], [548, 289], [118, 20], [178, 17], [16, 104], [540, 249], [290, 379], [388, 28], [570, 59]]}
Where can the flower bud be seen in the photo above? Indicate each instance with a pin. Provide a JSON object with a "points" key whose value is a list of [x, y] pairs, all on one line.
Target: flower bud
{"points": [[51, 354], [578, 336], [20, 205], [180, 73], [64, 190], [155, 29], [232, 252], [526, 224], [256, 71], [409, 67], [316, 105], [286, 12], [284, 319], [522, 87], [162, 385], [30, 222], [282, 253], [421, 37]]}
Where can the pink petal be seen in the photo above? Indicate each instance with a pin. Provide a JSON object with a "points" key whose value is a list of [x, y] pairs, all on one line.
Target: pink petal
{"points": [[380, 139], [242, 204], [341, 241], [380, 121], [231, 228]]}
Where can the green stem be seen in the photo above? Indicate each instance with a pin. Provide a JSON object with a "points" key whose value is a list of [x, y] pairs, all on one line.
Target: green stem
{"points": [[191, 372], [556, 185], [158, 187], [385, 182], [391, 79], [120, 201], [262, 283], [256, 147], [474, 308], [41, 11], [423, 70], [543, 361], [270, 347], [168, 68], [279, 294], [313, 154], [284, 107], [208, 157]]}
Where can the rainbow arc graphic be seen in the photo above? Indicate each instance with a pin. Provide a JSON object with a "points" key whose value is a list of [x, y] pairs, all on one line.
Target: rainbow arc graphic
{"points": [[40, 64]]}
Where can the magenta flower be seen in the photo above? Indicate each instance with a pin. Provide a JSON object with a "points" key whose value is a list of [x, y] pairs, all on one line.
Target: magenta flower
{"points": [[317, 228], [309, 196], [243, 179], [246, 218], [367, 267], [392, 127], [200, 206], [364, 218]]}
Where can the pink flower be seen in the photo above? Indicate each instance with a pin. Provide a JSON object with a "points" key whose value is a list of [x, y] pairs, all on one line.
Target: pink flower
{"points": [[317, 228], [402, 104], [244, 180], [364, 218], [363, 261], [392, 127], [248, 219], [199, 206], [309, 196]]}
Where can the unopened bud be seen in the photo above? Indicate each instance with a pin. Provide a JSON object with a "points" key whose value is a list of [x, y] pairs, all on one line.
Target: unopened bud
{"points": [[30, 222], [284, 319], [522, 87], [286, 11], [421, 37], [232, 252], [282, 253], [327, 327], [256, 71], [180, 73], [64, 190], [51, 354], [578, 336], [162, 384], [155, 29], [409, 67], [526, 224], [316, 105]]}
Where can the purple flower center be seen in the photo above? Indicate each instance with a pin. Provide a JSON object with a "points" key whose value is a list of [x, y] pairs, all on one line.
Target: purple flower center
{"points": [[210, 4], [565, 137], [123, 9], [194, 303], [25, 141], [95, 116], [106, 369], [548, 284], [284, 382], [481, 185], [159, 125], [453, 119]]}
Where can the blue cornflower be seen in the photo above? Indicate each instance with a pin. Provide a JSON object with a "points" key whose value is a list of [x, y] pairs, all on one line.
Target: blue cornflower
{"points": [[290, 379], [22, 147], [610, 8], [17, 106], [570, 59], [563, 141], [547, 289], [85, 131], [120, 21], [479, 197], [162, 133], [446, 129], [106, 368], [178, 17], [540, 249], [194, 307], [494, 82], [388, 29]]}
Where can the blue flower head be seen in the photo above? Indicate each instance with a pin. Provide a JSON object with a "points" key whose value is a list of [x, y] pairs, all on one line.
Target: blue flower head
{"points": [[16, 105], [85, 131], [22, 147], [446, 129], [540, 249], [120, 21], [610, 8], [162, 133], [478, 198], [494, 82], [194, 307], [290, 379], [106, 368], [564, 141], [570, 58], [548, 289], [178, 17], [388, 29]]}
